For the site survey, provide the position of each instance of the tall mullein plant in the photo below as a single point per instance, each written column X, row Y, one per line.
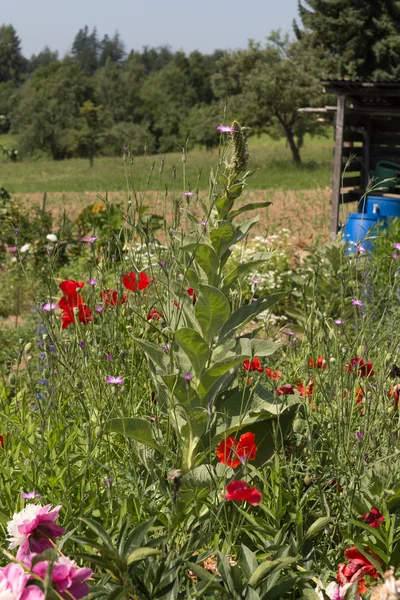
column 199, row 384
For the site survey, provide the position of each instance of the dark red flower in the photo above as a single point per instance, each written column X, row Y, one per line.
column 394, row 392
column 254, row 365
column 273, row 374
column 2, row 441
column 240, row 491
column 357, row 568
column 110, row 298
column 70, row 287
column 136, row 281
column 191, row 293
column 306, row 391
column 232, row 452
column 359, row 395
column 154, row 315
column 358, row 364
column 373, row 518
column 72, row 307
column 318, row 363
column 285, row 390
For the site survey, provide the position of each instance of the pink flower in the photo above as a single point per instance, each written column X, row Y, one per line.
column 33, row 529
column 13, row 580
column 225, row 129
column 30, row 495
column 118, row 379
column 90, row 240
column 187, row 194
column 49, row 306
column 396, row 246
column 357, row 303
column 66, row 577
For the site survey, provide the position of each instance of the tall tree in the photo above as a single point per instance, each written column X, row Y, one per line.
column 268, row 85
column 49, row 109
column 12, row 63
column 43, row 59
column 358, row 39
column 85, row 49
column 111, row 49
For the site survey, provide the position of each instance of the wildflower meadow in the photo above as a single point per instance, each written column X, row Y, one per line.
column 191, row 410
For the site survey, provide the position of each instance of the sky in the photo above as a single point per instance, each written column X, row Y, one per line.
column 187, row 25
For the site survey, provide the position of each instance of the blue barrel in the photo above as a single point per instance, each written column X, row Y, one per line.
column 382, row 207
column 360, row 226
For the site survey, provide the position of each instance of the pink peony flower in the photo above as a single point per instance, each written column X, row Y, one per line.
column 33, row 529
column 13, row 580
column 66, row 577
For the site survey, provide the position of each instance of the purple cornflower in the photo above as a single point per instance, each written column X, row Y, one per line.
column 225, row 129
column 360, row 435
column 39, row 396
column 161, row 263
column 99, row 309
column 16, row 230
column 396, row 246
column 338, row 321
column 108, row 481
column 289, row 332
column 30, row 495
column 125, row 149
column 43, row 381
column 81, row 344
column 49, row 306
column 187, row 194
column 203, row 223
column 395, row 256
column 166, row 347
column 116, row 380
column 188, row 377
column 93, row 281
column 109, row 356
column 360, row 249
column 42, row 355
column 51, row 348
column 90, row 240
column 357, row 303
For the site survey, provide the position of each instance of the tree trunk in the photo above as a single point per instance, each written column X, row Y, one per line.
column 292, row 145
column 91, row 159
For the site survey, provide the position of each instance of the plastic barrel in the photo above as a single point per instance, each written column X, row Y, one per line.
column 360, row 226
column 386, row 169
column 384, row 207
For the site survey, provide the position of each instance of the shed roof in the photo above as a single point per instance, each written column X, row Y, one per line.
column 362, row 88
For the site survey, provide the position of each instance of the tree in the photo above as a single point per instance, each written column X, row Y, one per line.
column 43, row 59
column 12, row 63
column 111, row 49
column 269, row 84
column 357, row 39
column 85, row 49
column 48, row 111
column 87, row 140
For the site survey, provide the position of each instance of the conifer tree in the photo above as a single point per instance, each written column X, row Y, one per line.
column 12, row 63
column 358, row 39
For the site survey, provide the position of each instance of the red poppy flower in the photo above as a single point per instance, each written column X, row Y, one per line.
column 241, row 492
column 364, row 369
column 394, row 392
column 234, row 452
column 285, row 390
column 317, row 363
column 356, row 569
column 359, row 395
column 191, row 293
column 2, row 441
column 306, row 391
column 254, row 365
column 70, row 287
column 273, row 374
column 135, row 281
column 110, row 297
column 373, row 518
column 72, row 307
column 154, row 315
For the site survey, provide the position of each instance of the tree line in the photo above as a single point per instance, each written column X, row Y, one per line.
column 100, row 97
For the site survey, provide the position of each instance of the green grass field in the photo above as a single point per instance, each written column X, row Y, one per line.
column 272, row 159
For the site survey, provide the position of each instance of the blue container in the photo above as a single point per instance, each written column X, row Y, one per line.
column 360, row 230
column 382, row 207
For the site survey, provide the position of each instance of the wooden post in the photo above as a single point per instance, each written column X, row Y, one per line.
column 44, row 201
column 337, row 165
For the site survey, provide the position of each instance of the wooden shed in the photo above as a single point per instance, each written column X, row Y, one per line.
column 367, row 131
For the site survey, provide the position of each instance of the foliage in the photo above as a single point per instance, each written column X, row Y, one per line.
column 356, row 40
column 12, row 62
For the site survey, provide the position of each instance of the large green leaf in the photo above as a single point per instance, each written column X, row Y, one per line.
column 194, row 347
column 244, row 314
column 223, row 206
column 206, row 257
column 217, row 370
column 257, row 347
column 247, row 561
column 222, row 237
column 141, row 554
column 244, row 268
column 154, row 353
column 212, row 311
column 134, row 428
column 247, row 207
column 185, row 393
column 269, row 566
column 243, row 228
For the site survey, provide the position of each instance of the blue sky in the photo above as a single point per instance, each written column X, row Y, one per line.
column 183, row 24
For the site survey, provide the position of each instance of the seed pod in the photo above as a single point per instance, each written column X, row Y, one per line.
column 298, row 425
